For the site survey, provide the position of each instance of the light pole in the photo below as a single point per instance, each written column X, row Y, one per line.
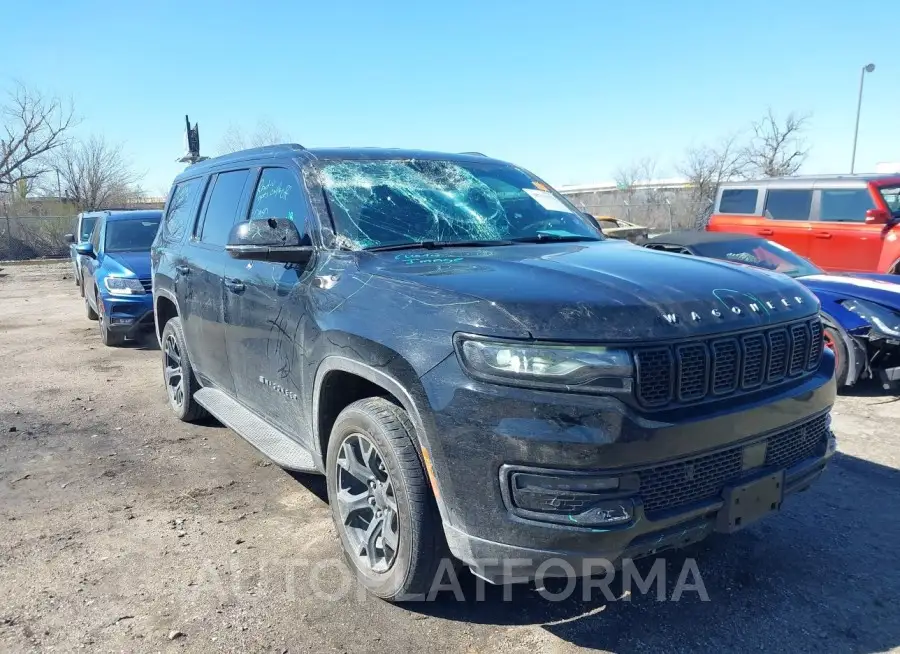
column 868, row 68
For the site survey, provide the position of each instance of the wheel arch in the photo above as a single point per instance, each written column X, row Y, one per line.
column 855, row 364
column 324, row 413
column 165, row 307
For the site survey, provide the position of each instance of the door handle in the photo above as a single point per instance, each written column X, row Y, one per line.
column 234, row 285
column 765, row 232
column 823, row 235
column 184, row 270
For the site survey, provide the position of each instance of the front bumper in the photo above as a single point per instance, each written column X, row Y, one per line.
column 128, row 315
column 481, row 432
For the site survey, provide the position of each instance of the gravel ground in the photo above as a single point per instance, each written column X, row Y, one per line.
column 124, row 530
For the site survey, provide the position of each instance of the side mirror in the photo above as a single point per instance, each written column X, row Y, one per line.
column 269, row 239
column 69, row 238
column 877, row 216
column 85, row 249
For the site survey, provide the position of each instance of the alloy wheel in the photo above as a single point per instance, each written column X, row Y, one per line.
column 367, row 504
column 173, row 371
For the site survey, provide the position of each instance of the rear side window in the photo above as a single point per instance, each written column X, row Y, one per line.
column 738, row 200
column 788, row 204
column 221, row 210
column 181, row 209
column 845, row 205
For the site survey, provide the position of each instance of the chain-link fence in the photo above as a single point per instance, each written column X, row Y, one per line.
column 34, row 237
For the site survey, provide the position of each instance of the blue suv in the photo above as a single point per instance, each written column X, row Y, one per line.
column 115, row 273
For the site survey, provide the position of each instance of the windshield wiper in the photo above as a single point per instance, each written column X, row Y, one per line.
column 554, row 238
column 437, row 245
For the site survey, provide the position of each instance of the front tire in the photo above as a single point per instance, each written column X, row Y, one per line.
column 834, row 341
column 109, row 337
column 381, row 501
column 88, row 309
column 181, row 384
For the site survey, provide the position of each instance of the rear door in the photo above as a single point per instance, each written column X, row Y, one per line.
column 841, row 238
column 205, row 259
column 787, row 212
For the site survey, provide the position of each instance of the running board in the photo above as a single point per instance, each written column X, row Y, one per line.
column 278, row 446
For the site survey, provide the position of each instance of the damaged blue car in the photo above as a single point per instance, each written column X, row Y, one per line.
column 860, row 311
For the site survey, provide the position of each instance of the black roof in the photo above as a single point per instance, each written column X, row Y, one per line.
column 689, row 237
column 296, row 151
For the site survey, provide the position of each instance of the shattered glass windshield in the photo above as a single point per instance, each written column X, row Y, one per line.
column 392, row 202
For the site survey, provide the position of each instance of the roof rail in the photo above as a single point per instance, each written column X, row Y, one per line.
column 477, row 154
column 263, row 151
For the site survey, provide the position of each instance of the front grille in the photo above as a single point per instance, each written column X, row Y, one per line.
column 147, row 284
column 674, row 485
column 718, row 367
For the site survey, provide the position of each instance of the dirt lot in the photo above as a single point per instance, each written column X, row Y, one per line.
column 125, row 530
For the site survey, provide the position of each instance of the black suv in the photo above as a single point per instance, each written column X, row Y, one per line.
column 475, row 368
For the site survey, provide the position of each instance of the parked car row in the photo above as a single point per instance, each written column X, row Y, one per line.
column 479, row 372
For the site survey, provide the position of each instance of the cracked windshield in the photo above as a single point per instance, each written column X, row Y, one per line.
column 385, row 203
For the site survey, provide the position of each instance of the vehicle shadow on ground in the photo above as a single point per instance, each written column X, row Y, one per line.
column 145, row 342
column 315, row 484
column 821, row 575
column 872, row 388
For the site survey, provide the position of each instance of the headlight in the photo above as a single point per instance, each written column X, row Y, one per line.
column 559, row 367
column 123, row 286
column 882, row 318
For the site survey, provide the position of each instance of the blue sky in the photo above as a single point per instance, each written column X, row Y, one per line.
column 570, row 90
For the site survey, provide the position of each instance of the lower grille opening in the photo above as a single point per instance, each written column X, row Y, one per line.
column 674, row 485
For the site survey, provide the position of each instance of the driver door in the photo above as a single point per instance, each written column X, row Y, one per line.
column 265, row 314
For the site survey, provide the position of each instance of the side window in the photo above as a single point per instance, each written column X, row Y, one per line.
column 845, row 205
column 181, row 209
column 788, row 204
column 278, row 195
column 738, row 200
column 221, row 210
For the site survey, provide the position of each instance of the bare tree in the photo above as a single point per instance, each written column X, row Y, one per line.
column 777, row 149
column 96, row 174
column 708, row 166
column 266, row 133
column 627, row 177
column 32, row 125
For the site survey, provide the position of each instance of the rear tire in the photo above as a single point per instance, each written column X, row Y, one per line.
column 372, row 458
column 834, row 340
column 181, row 384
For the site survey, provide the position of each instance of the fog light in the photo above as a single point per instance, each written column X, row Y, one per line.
column 582, row 500
column 120, row 321
column 832, row 445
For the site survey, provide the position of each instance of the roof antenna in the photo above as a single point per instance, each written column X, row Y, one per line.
column 192, row 143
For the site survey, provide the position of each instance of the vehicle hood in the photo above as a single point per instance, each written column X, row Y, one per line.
column 881, row 289
column 606, row 291
column 128, row 263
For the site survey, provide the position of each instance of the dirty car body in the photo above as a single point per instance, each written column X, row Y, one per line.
column 570, row 395
column 861, row 309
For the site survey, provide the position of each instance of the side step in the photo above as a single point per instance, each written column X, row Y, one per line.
column 278, row 446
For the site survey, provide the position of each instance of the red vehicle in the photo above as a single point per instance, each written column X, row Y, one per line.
column 842, row 223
